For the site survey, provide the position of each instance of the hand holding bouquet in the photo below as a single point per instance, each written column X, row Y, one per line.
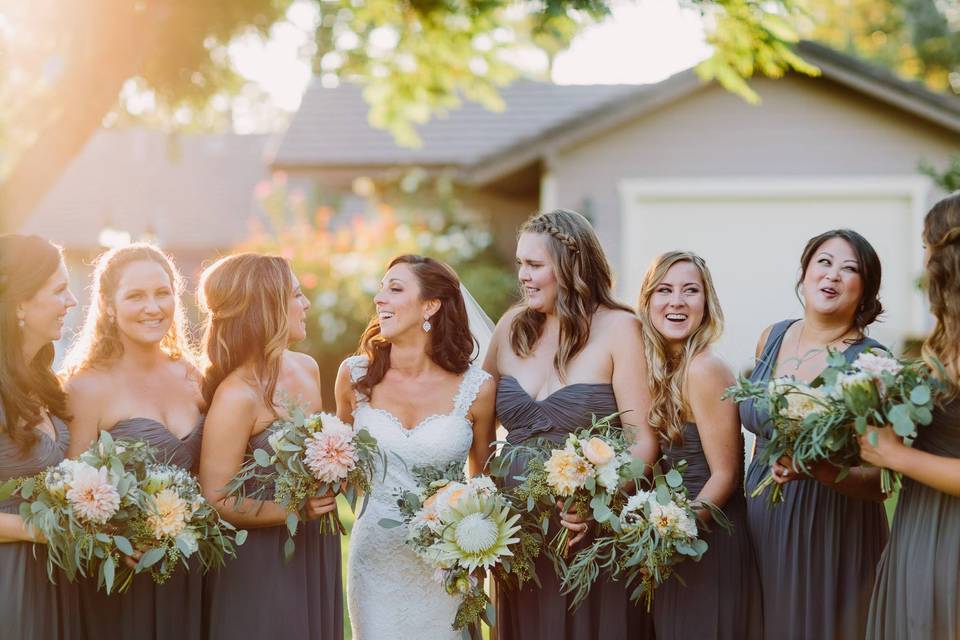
column 313, row 455
column 584, row 474
column 653, row 532
column 463, row 528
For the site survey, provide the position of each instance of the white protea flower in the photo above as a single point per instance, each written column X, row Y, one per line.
column 479, row 532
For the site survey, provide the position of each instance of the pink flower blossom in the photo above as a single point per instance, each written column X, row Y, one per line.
column 330, row 454
column 93, row 497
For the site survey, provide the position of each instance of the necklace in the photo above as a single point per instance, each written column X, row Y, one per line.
column 810, row 353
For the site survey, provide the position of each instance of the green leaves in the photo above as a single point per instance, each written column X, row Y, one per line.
column 899, row 417
column 262, row 458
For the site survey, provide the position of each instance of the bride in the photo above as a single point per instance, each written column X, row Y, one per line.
column 415, row 390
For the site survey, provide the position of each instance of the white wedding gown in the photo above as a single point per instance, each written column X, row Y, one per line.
column 391, row 592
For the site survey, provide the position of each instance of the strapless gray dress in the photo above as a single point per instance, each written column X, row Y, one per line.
column 31, row 607
column 721, row 598
column 818, row 550
column 917, row 594
column 534, row 613
column 169, row 611
column 259, row 595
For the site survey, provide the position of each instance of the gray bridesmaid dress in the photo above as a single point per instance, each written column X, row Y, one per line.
column 534, row 613
column 32, row 607
column 721, row 598
column 148, row 611
column 817, row 551
column 260, row 595
column 917, row 594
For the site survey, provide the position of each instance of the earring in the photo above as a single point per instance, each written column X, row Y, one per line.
column 21, row 322
column 426, row 326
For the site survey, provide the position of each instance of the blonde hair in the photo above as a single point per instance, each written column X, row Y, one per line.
column 941, row 234
column 98, row 343
column 667, row 371
column 584, row 283
column 245, row 298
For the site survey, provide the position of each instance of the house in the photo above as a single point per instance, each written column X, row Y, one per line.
column 682, row 164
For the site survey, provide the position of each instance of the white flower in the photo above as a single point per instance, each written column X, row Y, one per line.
column 169, row 515
column 877, row 364
column 482, row 485
column 670, row 518
column 608, row 476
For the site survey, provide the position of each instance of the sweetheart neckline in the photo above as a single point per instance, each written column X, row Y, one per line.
column 563, row 388
column 162, row 426
column 409, row 430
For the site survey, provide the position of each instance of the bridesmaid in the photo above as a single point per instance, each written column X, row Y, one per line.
column 567, row 351
column 255, row 311
column 681, row 319
column 817, row 551
column 34, row 299
column 130, row 372
column 917, row 594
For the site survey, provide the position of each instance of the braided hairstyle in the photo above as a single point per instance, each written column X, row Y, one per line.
column 584, row 283
column 941, row 235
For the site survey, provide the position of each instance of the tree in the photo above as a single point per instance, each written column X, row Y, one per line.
column 917, row 39
column 68, row 61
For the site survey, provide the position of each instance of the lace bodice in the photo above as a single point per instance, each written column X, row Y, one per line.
column 391, row 591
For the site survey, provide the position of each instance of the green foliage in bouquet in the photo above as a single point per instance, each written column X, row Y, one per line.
column 654, row 531
column 312, row 455
column 586, row 473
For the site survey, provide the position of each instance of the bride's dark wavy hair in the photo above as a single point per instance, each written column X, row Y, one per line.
column 451, row 345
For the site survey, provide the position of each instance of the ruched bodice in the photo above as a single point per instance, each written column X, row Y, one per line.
column 183, row 452
column 691, row 449
column 46, row 452
column 562, row 412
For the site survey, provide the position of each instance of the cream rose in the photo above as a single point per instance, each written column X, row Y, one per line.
column 597, row 451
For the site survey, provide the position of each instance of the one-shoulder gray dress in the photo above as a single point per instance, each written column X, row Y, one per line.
column 721, row 598
column 148, row 611
column 31, row 607
column 534, row 613
column 817, row 551
column 259, row 595
column 917, row 594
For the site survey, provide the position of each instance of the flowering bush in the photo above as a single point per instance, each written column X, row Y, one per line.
column 340, row 256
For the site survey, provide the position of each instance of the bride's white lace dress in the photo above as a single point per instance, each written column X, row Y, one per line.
column 391, row 592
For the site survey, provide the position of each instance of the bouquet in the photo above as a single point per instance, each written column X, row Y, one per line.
column 313, row 455
column 99, row 507
column 177, row 523
column 653, row 532
column 585, row 473
column 820, row 421
column 879, row 389
column 461, row 528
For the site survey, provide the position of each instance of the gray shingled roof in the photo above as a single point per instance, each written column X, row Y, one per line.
column 331, row 128
column 191, row 191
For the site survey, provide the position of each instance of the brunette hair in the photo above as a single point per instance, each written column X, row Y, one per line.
column 584, row 283
column 450, row 346
column 667, row 373
column 98, row 342
column 941, row 234
column 245, row 298
column 870, row 273
column 27, row 389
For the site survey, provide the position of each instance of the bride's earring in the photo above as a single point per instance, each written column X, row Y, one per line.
column 426, row 325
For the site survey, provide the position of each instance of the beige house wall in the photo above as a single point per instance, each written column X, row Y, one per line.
column 804, row 127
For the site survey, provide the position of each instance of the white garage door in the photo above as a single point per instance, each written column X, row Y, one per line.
column 751, row 234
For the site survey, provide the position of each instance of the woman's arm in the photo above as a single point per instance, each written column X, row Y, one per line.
column 937, row 472
column 484, row 427
column 718, row 424
column 14, row 529
column 630, row 386
column 226, row 432
column 344, row 394
column 84, row 403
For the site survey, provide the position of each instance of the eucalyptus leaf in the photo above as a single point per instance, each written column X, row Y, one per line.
column 288, row 548
column 241, row 537
column 920, row 394
column 262, row 457
column 674, row 479
column 107, row 570
column 8, row 487
column 293, row 520
column 150, row 557
column 899, row 417
column 388, row 523
column 123, row 545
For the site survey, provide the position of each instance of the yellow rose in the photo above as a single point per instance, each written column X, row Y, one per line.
column 597, row 451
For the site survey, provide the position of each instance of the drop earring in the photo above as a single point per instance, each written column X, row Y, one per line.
column 426, row 325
